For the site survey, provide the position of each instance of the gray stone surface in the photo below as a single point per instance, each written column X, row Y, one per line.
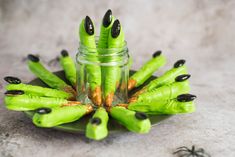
column 202, row 32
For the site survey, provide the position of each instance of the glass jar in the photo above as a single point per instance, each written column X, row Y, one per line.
column 102, row 75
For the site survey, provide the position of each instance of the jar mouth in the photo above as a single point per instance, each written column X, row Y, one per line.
column 103, row 51
column 103, row 56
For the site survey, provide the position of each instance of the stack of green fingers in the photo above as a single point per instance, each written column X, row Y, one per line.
column 170, row 98
column 182, row 104
column 167, row 78
column 50, row 111
column 167, row 94
column 180, row 86
column 111, row 37
column 46, row 76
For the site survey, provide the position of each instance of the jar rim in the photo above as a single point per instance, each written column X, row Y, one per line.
column 103, row 56
column 109, row 51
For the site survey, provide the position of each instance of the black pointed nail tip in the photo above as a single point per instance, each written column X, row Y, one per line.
column 12, row 80
column 141, row 115
column 64, row 53
column 89, row 27
column 179, row 63
column 33, row 58
column 156, row 54
column 182, row 78
column 116, row 29
column 186, row 97
column 107, row 19
column 95, row 121
column 43, row 110
column 14, row 92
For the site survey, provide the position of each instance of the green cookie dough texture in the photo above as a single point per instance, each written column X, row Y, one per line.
column 148, row 69
column 98, row 131
column 165, row 92
column 68, row 65
column 104, row 35
column 46, row 76
column 103, row 45
column 39, row 91
column 59, row 115
column 163, row 107
column 113, row 73
column 167, row 78
column 116, row 42
column 29, row 102
column 128, row 119
column 93, row 71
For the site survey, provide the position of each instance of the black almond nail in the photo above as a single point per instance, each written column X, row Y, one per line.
column 179, row 63
column 89, row 27
column 95, row 121
column 141, row 115
column 186, row 97
column 14, row 92
column 12, row 80
column 107, row 19
column 43, row 110
column 33, row 58
column 116, row 29
column 182, row 78
column 157, row 53
column 64, row 53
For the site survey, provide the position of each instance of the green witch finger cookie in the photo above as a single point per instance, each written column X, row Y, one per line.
column 97, row 129
column 50, row 117
column 15, row 84
column 112, row 74
column 107, row 23
column 167, row 78
column 166, row 92
column 106, row 26
column 46, row 76
column 134, row 121
column 19, row 101
column 68, row 65
column 146, row 70
column 87, row 39
column 182, row 104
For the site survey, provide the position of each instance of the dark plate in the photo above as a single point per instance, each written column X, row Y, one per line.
column 80, row 125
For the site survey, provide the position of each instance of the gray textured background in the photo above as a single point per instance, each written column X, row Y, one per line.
column 202, row 32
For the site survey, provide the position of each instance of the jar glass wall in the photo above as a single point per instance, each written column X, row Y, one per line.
column 102, row 75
